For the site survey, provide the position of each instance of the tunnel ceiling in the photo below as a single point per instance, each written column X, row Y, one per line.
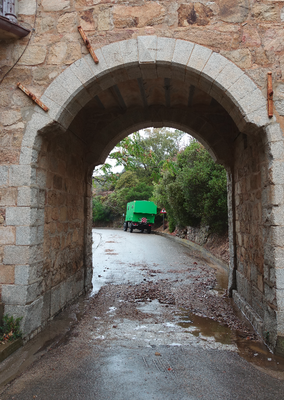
column 130, row 105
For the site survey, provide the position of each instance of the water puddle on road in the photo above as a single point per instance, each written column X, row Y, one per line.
column 253, row 351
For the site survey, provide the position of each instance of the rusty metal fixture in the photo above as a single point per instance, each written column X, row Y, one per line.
column 32, row 96
column 88, row 44
column 270, row 94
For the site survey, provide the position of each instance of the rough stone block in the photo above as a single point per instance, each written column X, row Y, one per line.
column 16, row 255
column 22, row 274
column 277, row 235
column 241, row 87
column 46, row 307
column 182, row 53
column 252, row 102
column 228, row 76
column 14, row 294
column 55, row 109
column 99, row 69
column 28, row 156
column 32, row 318
column 34, row 291
column 277, row 171
column 26, row 235
column 165, row 50
column 129, row 51
column 37, row 122
column 280, row 299
column 7, row 274
column 55, row 302
column 10, row 117
column 276, row 150
column 279, row 272
column 257, row 302
column 244, row 287
column 58, row 93
column 259, row 118
column 274, row 133
column 280, row 323
column 7, row 235
column 55, row 5
column 73, row 86
column 198, row 58
column 27, row 196
column 147, row 49
column 113, row 57
column 18, row 216
column 22, row 175
column 83, row 72
column 3, row 175
column 8, row 196
column 277, row 195
column 215, row 64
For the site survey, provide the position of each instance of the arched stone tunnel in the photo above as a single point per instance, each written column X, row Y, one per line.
column 138, row 83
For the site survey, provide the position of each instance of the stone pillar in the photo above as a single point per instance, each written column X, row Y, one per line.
column 231, row 231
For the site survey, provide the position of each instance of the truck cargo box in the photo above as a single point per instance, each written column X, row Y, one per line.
column 140, row 214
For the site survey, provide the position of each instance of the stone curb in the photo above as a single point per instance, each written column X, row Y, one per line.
column 9, row 348
column 193, row 246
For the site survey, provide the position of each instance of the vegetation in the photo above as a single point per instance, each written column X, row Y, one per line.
column 194, row 192
column 187, row 182
column 141, row 158
column 10, row 329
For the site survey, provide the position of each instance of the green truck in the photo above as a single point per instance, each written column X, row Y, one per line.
column 140, row 214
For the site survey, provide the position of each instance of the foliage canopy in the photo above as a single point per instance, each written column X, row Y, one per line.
column 188, row 183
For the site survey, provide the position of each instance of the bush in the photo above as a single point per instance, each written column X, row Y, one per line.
column 10, row 329
column 101, row 212
column 194, row 190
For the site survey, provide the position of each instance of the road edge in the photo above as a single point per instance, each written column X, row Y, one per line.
column 193, row 246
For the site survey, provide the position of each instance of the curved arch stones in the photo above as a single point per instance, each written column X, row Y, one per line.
column 148, row 57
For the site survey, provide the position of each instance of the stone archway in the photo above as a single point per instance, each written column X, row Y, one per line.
column 148, row 81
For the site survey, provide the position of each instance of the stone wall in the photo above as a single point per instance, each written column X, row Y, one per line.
column 62, row 275
column 45, row 172
column 250, row 181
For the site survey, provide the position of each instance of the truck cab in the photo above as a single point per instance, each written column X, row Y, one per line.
column 140, row 214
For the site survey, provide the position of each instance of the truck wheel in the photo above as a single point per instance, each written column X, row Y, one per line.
column 125, row 226
column 142, row 230
column 149, row 229
column 131, row 228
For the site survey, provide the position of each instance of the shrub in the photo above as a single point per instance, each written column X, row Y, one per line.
column 10, row 329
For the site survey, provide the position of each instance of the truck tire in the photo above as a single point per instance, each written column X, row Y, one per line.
column 131, row 227
column 149, row 229
column 125, row 226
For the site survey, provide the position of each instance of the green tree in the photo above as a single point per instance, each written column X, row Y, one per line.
column 194, row 190
column 142, row 154
column 101, row 211
column 128, row 188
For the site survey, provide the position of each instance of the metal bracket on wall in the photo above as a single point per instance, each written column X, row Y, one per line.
column 269, row 95
column 88, row 44
column 32, row 96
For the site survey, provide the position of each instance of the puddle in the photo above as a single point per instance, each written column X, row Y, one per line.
column 254, row 352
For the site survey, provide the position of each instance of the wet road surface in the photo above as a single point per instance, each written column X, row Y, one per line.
column 138, row 339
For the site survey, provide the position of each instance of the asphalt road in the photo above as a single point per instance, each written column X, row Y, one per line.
column 131, row 348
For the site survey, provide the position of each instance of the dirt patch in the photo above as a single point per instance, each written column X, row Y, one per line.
column 219, row 247
column 198, row 298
